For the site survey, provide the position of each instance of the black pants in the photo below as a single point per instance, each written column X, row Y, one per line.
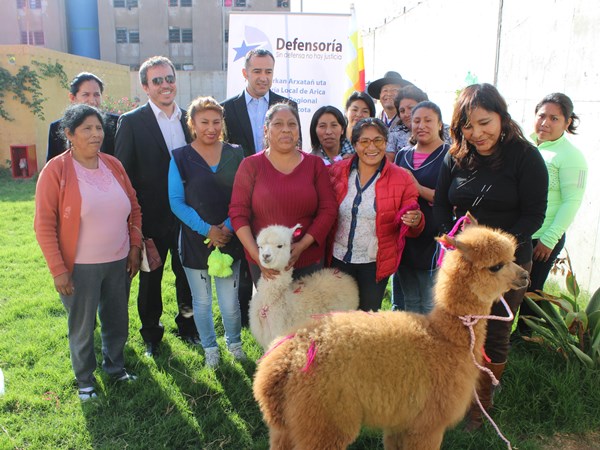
column 150, row 306
column 497, row 342
column 245, row 291
column 539, row 275
column 541, row 269
column 370, row 291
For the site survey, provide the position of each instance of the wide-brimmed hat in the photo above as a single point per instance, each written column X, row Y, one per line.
column 391, row 77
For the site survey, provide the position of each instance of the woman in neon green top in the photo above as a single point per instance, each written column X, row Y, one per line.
column 567, row 171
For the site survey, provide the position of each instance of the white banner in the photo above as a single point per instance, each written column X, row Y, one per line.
column 310, row 50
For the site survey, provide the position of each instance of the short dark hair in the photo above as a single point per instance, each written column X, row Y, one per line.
column 358, row 95
column 566, row 106
column 412, row 92
column 314, row 139
column 153, row 62
column 368, row 122
column 258, row 52
column 81, row 78
column 75, row 115
column 487, row 97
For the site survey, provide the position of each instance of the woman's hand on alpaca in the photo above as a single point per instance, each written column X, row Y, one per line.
column 541, row 252
column 266, row 273
column 297, row 249
column 63, row 284
column 134, row 259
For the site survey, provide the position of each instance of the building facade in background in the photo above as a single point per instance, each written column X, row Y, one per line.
column 192, row 33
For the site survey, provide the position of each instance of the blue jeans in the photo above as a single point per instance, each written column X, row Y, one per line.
column 417, row 286
column 227, row 296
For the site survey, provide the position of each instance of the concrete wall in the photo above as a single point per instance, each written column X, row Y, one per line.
column 545, row 46
column 190, row 84
column 28, row 129
column 553, row 47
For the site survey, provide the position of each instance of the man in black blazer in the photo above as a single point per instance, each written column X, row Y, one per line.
column 244, row 121
column 85, row 88
column 143, row 143
column 242, row 129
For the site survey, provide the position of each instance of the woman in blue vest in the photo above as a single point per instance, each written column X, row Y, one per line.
column 200, row 183
column 423, row 161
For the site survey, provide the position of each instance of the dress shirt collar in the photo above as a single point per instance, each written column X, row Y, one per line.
column 249, row 98
column 158, row 112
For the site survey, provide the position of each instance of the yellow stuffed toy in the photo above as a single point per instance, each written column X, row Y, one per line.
column 219, row 264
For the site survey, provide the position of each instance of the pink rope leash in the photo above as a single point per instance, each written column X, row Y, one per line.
column 470, row 321
column 277, row 344
column 454, row 230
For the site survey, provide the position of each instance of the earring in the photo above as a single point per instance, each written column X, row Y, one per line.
column 502, row 136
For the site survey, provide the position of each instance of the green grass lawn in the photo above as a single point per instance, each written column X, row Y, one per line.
column 178, row 404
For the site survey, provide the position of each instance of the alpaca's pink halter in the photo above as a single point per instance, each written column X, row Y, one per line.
column 458, row 223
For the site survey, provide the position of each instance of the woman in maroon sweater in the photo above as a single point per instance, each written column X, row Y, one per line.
column 283, row 186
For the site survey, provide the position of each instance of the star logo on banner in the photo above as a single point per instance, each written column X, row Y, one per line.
column 240, row 52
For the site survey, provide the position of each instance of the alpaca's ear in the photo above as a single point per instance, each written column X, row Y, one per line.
column 296, row 232
column 447, row 241
column 471, row 220
column 464, row 249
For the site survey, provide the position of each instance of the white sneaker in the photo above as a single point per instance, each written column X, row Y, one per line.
column 87, row 393
column 212, row 357
column 237, row 351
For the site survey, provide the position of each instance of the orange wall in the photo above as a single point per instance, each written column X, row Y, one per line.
column 28, row 129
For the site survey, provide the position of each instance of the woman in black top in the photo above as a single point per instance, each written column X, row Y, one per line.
column 493, row 172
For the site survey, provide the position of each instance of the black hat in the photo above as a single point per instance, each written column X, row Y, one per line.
column 390, row 77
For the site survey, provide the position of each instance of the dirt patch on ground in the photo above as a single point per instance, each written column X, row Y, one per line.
column 589, row 441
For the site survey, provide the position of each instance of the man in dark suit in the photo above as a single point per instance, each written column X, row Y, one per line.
column 244, row 121
column 245, row 113
column 85, row 88
column 143, row 143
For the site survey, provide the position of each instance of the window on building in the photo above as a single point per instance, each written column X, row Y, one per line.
column 186, row 35
column 240, row 3
column 119, row 3
column 35, row 38
column 283, row 3
column 20, row 4
column 172, row 2
column 174, row 35
column 134, row 36
column 185, row 3
column 38, row 37
column 226, row 36
column 121, row 35
column 132, row 3
column 35, row 4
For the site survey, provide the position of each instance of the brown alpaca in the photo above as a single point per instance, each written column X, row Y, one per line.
column 411, row 375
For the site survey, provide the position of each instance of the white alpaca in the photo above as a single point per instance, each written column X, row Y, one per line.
column 281, row 305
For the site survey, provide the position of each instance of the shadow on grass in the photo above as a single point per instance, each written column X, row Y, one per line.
column 170, row 405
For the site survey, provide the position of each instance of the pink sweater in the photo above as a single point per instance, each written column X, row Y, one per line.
column 263, row 196
column 58, row 210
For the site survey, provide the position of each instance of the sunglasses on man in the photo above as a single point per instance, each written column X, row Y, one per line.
column 157, row 81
